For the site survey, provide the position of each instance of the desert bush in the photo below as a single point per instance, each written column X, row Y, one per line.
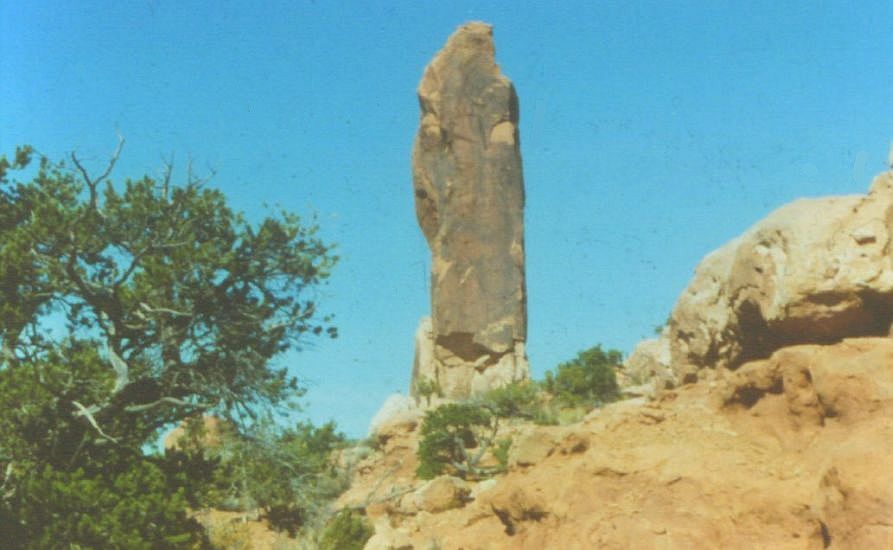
column 587, row 380
column 125, row 506
column 457, row 438
column 454, row 438
column 288, row 474
column 501, row 453
column 516, row 400
column 428, row 388
column 347, row 530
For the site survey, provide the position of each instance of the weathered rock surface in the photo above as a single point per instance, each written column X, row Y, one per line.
column 532, row 447
column 441, row 494
column 208, row 436
column 814, row 271
column 398, row 412
column 469, row 195
column 649, row 363
column 794, row 451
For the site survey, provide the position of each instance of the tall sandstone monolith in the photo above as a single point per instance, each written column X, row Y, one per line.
column 469, row 196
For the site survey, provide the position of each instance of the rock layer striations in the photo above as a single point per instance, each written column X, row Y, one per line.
column 469, row 196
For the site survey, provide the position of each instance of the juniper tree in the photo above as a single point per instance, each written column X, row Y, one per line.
column 126, row 308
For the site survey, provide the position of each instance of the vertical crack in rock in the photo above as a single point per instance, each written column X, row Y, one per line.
column 469, row 196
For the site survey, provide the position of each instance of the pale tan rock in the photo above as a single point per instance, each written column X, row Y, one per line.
column 441, row 494
column 386, row 537
column 398, row 413
column 813, row 271
column 469, row 193
column 482, row 487
column 424, row 368
column 533, row 446
column 649, row 363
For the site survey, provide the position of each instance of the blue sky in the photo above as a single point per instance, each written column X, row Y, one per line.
column 651, row 132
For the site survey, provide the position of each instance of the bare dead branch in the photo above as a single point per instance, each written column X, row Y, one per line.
column 166, row 179
column 122, row 371
column 88, row 414
column 149, row 309
column 91, row 183
column 173, row 401
column 194, row 181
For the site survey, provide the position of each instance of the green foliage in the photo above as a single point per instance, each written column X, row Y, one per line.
column 453, row 439
column 125, row 309
column 347, row 530
column 289, row 474
column 589, row 379
column 516, row 400
column 501, row 453
column 427, row 388
column 127, row 506
column 456, row 437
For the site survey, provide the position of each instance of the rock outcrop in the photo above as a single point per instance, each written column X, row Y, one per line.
column 397, row 412
column 786, row 443
column 814, row 271
column 793, row 451
column 649, row 363
column 469, row 196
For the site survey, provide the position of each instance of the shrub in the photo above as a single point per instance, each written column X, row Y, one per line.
column 126, row 508
column 589, row 379
column 501, row 453
column 347, row 530
column 427, row 388
column 454, row 438
column 287, row 473
column 516, row 400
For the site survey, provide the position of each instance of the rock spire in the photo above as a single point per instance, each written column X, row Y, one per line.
column 469, row 197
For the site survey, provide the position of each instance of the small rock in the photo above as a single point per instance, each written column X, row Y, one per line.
column 441, row 494
column 399, row 413
column 532, row 447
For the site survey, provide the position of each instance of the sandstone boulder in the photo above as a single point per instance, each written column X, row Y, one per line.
column 813, row 271
column 469, row 196
column 649, row 363
column 441, row 494
column 386, row 537
column 398, row 413
column 533, row 446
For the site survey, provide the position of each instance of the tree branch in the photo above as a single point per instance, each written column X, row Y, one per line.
column 88, row 414
column 91, row 183
column 122, row 371
column 170, row 401
column 166, row 181
column 149, row 309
